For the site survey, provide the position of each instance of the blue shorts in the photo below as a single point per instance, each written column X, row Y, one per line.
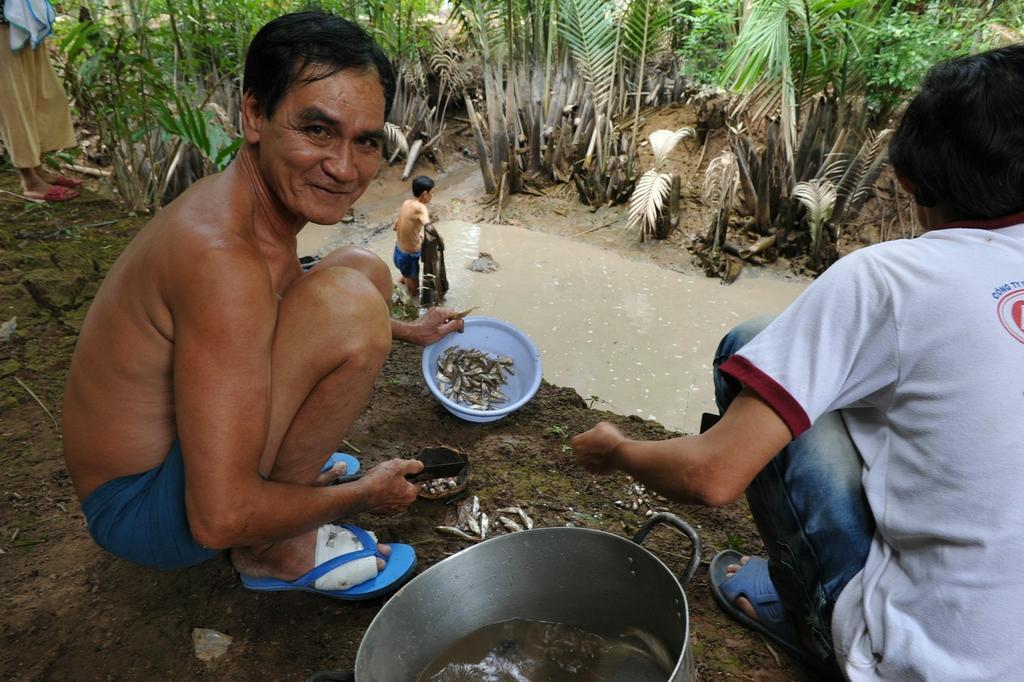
column 407, row 263
column 142, row 517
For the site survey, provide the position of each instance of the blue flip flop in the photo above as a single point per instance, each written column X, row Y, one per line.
column 753, row 582
column 351, row 463
column 398, row 566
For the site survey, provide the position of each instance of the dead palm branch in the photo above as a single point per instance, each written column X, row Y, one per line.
column 647, row 202
column 721, row 187
column 664, row 141
column 818, row 196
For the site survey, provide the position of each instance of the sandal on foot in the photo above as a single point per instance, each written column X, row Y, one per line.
column 64, row 181
column 346, row 566
column 55, row 193
column 753, row 582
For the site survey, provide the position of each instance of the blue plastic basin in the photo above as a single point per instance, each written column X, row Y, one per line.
column 496, row 338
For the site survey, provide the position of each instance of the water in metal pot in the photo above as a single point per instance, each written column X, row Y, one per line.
column 521, row 650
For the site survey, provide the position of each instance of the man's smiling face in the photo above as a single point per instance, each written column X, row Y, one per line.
column 322, row 146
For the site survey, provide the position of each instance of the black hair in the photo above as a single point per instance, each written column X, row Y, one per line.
column 421, row 184
column 961, row 140
column 309, row 46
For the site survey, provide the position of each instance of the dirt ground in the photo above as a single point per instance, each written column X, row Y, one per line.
column 73, row 611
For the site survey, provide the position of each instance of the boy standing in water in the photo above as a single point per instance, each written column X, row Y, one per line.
column 413, row 217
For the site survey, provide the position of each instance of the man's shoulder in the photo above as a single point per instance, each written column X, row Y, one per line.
column 200, row 245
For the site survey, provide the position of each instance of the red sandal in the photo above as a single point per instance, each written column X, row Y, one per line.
column 64, row 181
column 55, row 193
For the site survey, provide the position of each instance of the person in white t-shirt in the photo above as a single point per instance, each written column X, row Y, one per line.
column 877, row 425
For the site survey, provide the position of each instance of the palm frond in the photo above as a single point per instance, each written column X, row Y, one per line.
column 818, row 196
column 834, row 167
column 590, row 34
column 450, row 67
column 396, row 138
column 664, row 141
column 860, row 173
column 874, row 153
column 644, row 26
column 762, row 48
column 485, row 21
column 648, row 200
column 721, row 180
column 415, row 76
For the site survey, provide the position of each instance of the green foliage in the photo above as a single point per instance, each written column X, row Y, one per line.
column 645, row 26
column 196, row 126
column 398, row 26
column 116, row 86
column 709, row 29
column 152, row 76
column 587, row 27
column 907, row 40
column 559, row 430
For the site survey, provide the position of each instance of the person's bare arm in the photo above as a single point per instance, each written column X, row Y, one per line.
column 713, row 468
column 224, row 318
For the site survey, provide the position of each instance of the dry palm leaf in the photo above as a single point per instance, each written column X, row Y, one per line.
column 647, row 201
column 819, row 198
column 721, row 180
column 396, row 138
column 448, row 63
column 664, row 141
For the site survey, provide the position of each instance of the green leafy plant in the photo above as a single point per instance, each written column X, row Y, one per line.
column 197, row 127
column 559, row 430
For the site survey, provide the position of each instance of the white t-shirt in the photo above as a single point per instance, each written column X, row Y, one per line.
column 920, row 345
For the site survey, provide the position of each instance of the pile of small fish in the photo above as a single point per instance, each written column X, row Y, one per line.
column 440, row 486
column 474, row 524
column 471, row 377
column 639, row 497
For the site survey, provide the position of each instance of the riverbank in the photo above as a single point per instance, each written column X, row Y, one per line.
column 75, row 612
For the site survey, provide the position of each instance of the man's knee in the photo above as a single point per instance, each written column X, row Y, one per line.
column 362, row 261
column 726, row 387
column 350, row 309
column 739, row 336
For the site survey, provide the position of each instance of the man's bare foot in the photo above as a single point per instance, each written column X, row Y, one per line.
column 287, row 559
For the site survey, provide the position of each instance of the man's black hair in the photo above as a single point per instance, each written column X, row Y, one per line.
column 961, row 140
column 306, row 47
column 421, row 184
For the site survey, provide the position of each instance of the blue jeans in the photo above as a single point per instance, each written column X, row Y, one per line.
column 809, row 507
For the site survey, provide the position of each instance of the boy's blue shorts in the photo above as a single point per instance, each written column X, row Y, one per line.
column 407, row 263
column 142, row 517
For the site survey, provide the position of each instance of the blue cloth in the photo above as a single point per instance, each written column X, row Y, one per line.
column 809, row 506
column 407, row 263
column 142, row 517
column 31, row 21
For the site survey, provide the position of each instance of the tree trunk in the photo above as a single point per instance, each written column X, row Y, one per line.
column 410, row 163
column 481, row 148
column 669, row 219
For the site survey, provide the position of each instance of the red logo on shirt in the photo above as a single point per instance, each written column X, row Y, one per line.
column 1011, row 313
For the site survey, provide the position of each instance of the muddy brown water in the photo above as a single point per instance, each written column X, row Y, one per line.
column 629, row 336
column 534, row 651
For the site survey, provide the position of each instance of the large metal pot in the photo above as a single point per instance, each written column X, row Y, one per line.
column 591, row 579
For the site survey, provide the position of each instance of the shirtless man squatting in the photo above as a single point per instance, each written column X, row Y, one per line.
column 413, row 218
column 213, row 378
